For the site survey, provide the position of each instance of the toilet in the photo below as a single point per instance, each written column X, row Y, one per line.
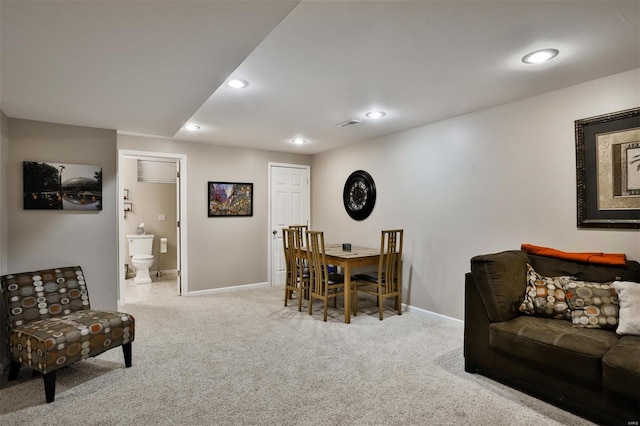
column 140, row 249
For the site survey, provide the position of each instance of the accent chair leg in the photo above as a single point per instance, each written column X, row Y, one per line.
column 126, row 350
column 50, row 385
column 14, row 368
column 326, row 308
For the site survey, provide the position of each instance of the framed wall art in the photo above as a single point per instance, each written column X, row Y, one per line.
column 608, row 170
column 61, row 186
column 227, row 199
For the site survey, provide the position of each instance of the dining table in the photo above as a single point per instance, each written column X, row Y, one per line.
column 356, row 257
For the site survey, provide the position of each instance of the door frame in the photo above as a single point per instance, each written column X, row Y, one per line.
column 181, row 213
column 269, row 234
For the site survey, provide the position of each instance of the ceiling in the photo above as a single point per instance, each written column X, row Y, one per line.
column 148, row 67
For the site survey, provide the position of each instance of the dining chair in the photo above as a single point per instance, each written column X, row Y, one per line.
column 386, row 282
column 323, row 286
column 301, row 229
column 297, row 276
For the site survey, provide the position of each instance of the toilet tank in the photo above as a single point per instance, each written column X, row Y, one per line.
column 140, row 244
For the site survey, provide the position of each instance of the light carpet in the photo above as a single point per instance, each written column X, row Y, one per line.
column 242, row 358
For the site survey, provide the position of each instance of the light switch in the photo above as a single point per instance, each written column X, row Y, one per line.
column 162, row 217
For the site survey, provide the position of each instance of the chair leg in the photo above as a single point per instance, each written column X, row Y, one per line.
column 126, row 350
column 355, row 298
column 380, row 303
column 326, row 308
column 310, row 304
column 14, row 368
column 286, row 294
column 300, row 296
column 50, row 385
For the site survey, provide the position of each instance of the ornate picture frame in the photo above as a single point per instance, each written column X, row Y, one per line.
column 608, row 170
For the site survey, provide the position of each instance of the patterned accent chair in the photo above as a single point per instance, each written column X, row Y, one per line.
column 51, row 326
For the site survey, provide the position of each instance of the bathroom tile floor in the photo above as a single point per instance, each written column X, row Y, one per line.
column 163, row 287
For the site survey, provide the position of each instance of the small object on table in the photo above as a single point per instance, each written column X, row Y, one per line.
column 346, row 246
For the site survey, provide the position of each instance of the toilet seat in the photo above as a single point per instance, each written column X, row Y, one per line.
column 142, row 257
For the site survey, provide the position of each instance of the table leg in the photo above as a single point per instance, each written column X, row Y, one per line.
column 347, row 293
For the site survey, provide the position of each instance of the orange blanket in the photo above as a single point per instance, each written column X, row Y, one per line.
column 610, row 259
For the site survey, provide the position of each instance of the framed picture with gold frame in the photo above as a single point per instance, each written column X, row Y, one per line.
column 608, row 170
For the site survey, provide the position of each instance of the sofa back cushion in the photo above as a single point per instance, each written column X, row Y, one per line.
column 39, row 295
column 501, row 279
column 552, row 267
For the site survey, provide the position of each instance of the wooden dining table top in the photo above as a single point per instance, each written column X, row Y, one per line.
column 335, row 250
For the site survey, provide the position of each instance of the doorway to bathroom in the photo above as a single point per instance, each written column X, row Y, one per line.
column 152, row 188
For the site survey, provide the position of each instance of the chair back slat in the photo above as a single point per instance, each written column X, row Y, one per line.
column 288, row 235
column 40, row 295
column 390, row 266
column 318, row 270
column 301, row 229
column 299, row 258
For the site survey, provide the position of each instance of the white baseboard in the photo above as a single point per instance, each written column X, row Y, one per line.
column 164, row 272
column 429, row 314
column 408, row 308
column 225, row 289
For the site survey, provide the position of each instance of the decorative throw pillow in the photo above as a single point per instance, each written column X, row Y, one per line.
column 593, row 305
column 629, row 295
column 544, row 296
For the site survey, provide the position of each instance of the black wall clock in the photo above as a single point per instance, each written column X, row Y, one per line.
column 359, row 195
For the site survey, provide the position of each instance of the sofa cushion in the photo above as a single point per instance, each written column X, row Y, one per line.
column 593, row 305
column 576, row 352
column 57, row 342
column 544, row 296
column 552, row 267
column 501, row 280
column 44, row 294
column 629, row 297
column 621, row 367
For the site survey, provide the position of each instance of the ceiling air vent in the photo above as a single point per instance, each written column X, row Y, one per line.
column 349, row 123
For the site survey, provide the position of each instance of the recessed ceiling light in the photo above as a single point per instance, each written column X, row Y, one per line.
column 191, row 127
column 298, row 141
column 540, row 56
column 376, row 114
column 238, row 84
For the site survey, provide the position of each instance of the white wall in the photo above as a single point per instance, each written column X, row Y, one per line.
column 227, row 251
column 475, row 184
column 42, row 239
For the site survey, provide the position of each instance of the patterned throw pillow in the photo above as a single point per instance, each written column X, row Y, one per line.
column 593, row 305
column 544, row 296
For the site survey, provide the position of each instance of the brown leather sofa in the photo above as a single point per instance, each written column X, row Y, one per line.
column 594, row 373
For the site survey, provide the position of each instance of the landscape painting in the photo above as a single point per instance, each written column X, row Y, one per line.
column 61, row 186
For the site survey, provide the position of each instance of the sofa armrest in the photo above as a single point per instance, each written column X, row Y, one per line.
column 476, row 328
column 501, row 279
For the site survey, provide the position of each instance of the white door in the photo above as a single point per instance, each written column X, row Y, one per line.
column 290, row 204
